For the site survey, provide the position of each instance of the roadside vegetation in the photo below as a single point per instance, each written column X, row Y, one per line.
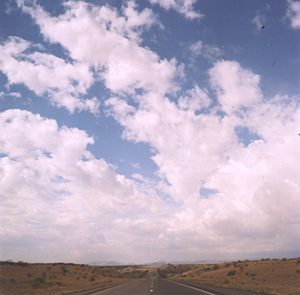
column 60, row 278
column 276, row 276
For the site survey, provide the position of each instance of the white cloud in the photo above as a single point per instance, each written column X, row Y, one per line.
column 247, row 181
column 236, row 87
column 179, row 136
column 209, row 52
column 184, row 7
column 46, row 74
column 260, row 18
column 293, row 13
column 13, row 94
column 136, row 19
column 113, row 49
column 55, row 193
column 195, row 99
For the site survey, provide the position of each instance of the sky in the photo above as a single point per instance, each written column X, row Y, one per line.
column 138, row 131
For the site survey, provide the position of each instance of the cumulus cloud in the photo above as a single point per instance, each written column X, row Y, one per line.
column 114, row 51
column 54, row 191
column 293, row 13
column 46, row 74
column 195, row 99
column 195, row 151
column 212, row 192
column 184, row 7
column 236, row 87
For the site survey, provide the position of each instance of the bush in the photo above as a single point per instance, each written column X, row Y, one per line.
column 40, row 280
column 37, row 282
column 231, row 273
column 10, row 262
column 13, row 281
column 21, row 263
column 216, row 266
column 92, row 279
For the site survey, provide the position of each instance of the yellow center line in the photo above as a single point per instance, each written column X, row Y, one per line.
column 113, row 288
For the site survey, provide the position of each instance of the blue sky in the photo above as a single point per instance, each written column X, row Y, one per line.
column 145, row 130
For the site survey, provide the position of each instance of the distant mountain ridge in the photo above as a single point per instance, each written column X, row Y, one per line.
column 104, row 263
column 155, row 263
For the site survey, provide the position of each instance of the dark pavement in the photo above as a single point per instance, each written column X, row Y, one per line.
column 154, row 286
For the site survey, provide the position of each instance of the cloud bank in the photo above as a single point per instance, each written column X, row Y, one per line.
column 227, row 182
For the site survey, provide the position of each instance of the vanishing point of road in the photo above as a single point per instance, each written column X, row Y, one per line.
column 154, row 286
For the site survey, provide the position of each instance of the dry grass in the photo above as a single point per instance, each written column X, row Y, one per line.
column 59, row 278
column 264, row 276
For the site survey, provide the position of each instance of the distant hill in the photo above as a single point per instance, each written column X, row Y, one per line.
column 104, row 263
column 157, row 263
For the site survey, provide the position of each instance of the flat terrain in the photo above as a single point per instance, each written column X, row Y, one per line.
column 58, row 278
column 264, row 276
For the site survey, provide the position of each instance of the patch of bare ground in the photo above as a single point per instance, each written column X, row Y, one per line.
column 22, row 278
column 263, row 276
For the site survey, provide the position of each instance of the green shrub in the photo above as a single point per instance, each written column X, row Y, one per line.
column 92, row 279
column 13, row 281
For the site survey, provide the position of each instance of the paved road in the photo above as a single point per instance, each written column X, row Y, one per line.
column 154, row 286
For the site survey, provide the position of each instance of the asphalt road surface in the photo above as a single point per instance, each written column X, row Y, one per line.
column 154, row 286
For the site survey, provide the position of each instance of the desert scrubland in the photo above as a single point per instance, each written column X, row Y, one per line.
column 22, row 278
column 277, row 276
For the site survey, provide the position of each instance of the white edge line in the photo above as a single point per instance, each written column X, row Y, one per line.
column 192, row 288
